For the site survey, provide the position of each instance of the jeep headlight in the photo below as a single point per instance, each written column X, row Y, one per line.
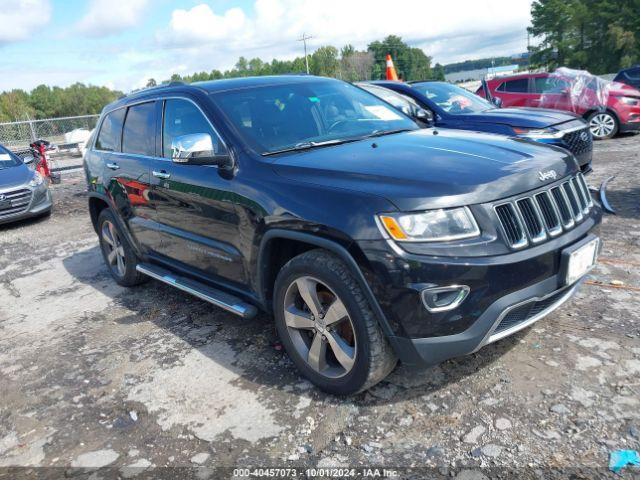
column 37, row 180
column 431, row 226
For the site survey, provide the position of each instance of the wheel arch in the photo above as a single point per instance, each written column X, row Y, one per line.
column 97, row 203
column 590, row 112
column 278, row 246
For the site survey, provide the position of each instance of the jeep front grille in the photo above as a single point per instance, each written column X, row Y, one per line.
column 546, row 213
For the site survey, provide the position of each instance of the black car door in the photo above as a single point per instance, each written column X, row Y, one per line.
column 196, row 206
column 125, row 145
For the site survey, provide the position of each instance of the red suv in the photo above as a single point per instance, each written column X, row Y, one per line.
column 619, row 111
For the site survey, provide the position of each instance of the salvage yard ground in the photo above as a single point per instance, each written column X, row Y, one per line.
column 92, row 374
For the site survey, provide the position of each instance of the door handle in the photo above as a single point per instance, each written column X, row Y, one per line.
column 161, row 174
column 113, row 166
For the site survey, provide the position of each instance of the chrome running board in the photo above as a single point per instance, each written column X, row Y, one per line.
column 212, row 295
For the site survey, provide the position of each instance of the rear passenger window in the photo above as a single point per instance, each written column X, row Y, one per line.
column 138, row 136
column 549, row 85
column 111, row 131
column 515, row 86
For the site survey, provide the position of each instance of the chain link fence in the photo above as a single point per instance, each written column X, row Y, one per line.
column 67, row 133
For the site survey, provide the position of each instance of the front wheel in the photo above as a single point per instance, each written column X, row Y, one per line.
column 327, row 326
column 603, row 125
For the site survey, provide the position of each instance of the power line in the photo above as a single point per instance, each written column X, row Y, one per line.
column 304, row 39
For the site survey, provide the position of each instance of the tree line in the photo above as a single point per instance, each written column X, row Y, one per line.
column 347, row 64
column 53, row 102
column 601, row 36
column 483, row 63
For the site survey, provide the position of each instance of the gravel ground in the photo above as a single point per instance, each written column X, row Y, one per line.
column 94, row 375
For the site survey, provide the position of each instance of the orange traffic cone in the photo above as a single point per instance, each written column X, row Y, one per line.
column 391, row 70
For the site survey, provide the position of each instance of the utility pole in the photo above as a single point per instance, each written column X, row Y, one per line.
column 304, row 39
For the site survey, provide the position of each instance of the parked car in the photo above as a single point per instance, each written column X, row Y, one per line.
column 629, row 76
column 620, row 114
column 368, row 238
column 24, row 193
column 450, row 106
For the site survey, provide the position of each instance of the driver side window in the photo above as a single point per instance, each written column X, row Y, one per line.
column 182, row 117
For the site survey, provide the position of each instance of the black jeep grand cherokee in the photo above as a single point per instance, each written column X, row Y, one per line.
column 369, row 239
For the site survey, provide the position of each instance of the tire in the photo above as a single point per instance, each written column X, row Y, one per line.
column 343, row 352
column 603, row 125
column 122, row 263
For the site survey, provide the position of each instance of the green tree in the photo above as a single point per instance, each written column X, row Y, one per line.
column 596, row 35
column 15, row 106
column 151, row 83
column 324, row 62
column 411, row 63
column 438, row 72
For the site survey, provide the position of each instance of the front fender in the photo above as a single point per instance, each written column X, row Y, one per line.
column 328, row 244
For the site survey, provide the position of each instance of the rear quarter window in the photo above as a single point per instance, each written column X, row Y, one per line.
column 111, row 131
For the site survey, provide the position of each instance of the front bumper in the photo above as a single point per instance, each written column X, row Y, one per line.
column 39, row 203
column 507, row 293
column 539, row 299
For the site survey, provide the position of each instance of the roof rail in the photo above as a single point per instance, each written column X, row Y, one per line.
column 162, row 85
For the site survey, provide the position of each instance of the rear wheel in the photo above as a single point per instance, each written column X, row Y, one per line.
column 120, row 258
column 603, row 125
column 327, row 325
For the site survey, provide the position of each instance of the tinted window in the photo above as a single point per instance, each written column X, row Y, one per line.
column 550, row 85
column 453, row 99
column 111, row 131
column 277, row 117
column 515, row 86
column 138, row 136
column 182, row 117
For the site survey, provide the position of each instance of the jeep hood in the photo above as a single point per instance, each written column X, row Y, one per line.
column 430, row 168
column 522, row 117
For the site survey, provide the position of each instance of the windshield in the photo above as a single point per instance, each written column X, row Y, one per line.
column 7, row 159
column 453, row 100
column 280, row 117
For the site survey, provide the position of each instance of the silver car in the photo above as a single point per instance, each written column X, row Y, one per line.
column 24, row 192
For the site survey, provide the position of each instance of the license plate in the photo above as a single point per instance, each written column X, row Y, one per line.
column 581, row 261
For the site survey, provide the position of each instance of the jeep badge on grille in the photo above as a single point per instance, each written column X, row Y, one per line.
column 549, row 174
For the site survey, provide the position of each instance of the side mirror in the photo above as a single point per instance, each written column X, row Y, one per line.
column 197, row 149
column 423, row 115
column 497, row 101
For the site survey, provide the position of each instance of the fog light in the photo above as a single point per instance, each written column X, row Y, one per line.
column 443, row 299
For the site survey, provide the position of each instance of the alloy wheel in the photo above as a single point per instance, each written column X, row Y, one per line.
column 114, row 249
column 602, row 125
column 319, row 327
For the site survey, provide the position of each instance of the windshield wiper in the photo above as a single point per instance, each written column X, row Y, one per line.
column 309, row 145
column 380, row 133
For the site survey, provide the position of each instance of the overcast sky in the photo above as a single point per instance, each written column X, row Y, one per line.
column 122, row 43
